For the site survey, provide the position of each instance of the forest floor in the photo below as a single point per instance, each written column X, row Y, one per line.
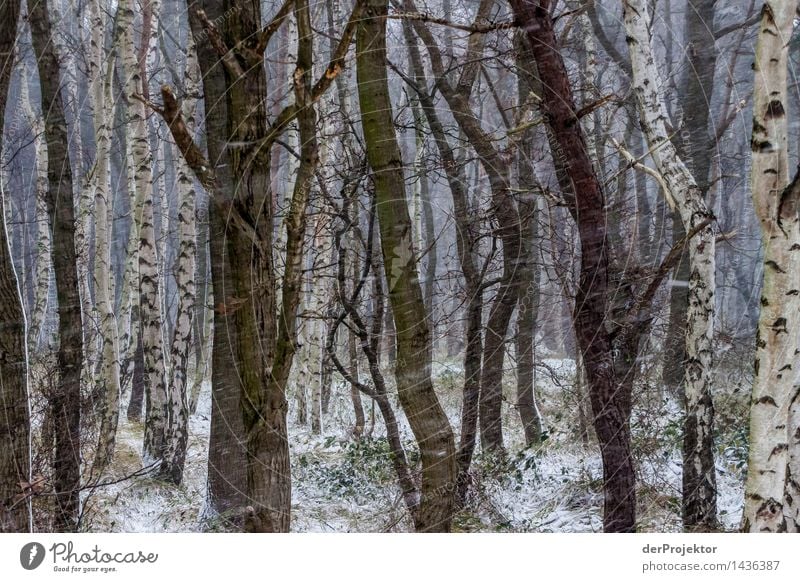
column 343, row 485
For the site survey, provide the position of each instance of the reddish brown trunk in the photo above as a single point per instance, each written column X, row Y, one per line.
column 591, row 302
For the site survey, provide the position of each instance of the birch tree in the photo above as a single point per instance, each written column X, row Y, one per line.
column 101, row 75
column 699, row 472
column 771, row 490
column 150, row 314
column 43, row 244
column 185, row 272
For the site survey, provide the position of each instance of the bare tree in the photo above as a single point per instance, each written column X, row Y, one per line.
column 587, row 206
column 699, row 472
column 413, row 368
column 15, row 418
column 67, row 399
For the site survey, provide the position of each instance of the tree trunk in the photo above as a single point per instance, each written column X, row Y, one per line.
column 60, row 203
column 227, row 486
column 178, row 428
column 699, row 472
column 352, row 339
column 413, row 367
column 109, row 379
column 696, row 105
column 355, row 394
column 265, row 341
column 15, row 454
column 771, row 490
column 137, row 376
column 43, row 243
column 155, row 444
column 530, row 279
column 587, row 207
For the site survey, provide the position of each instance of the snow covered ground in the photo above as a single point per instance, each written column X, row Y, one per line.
column 344, row 486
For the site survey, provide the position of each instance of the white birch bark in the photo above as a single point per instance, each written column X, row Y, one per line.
column 185, row 270
column 101, row 83
column 159, row 144
column 699, row 491
column 43, row 241
column 774, row 445
column 156, row 398
column 85, row 214
column 128, row 325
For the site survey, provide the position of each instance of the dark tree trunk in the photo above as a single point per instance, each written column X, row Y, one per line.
column 675, row 341
column 413, row 367
column 14, row 412
column 592, row 297
column 227, row 485
column 226, row 453
column 472, row 384
column 137, row 381
column 355, row 394
column 466, row 243
column 67, row 397
column 263, row 341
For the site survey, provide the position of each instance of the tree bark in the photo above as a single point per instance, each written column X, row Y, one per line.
column 43, row 242
column 15, row 455
column 530, row 279
column 109, row 378
column 771, row 489
column 413, row 367
column 155, row 444
column 587, row 207
column 699, row 472
column 178, row 426
column 60, row 203
column 265, row 341
column 696, row 105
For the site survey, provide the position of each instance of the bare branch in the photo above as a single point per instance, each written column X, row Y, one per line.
column 271, row 28
column 216, row 40
column 669, row 262
column 171, row 112
column 634, row 162
column 470, row 28
column 725, row 30
column 594, row 105
column 334, row 68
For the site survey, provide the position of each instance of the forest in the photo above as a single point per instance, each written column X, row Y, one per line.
column 400, row 265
